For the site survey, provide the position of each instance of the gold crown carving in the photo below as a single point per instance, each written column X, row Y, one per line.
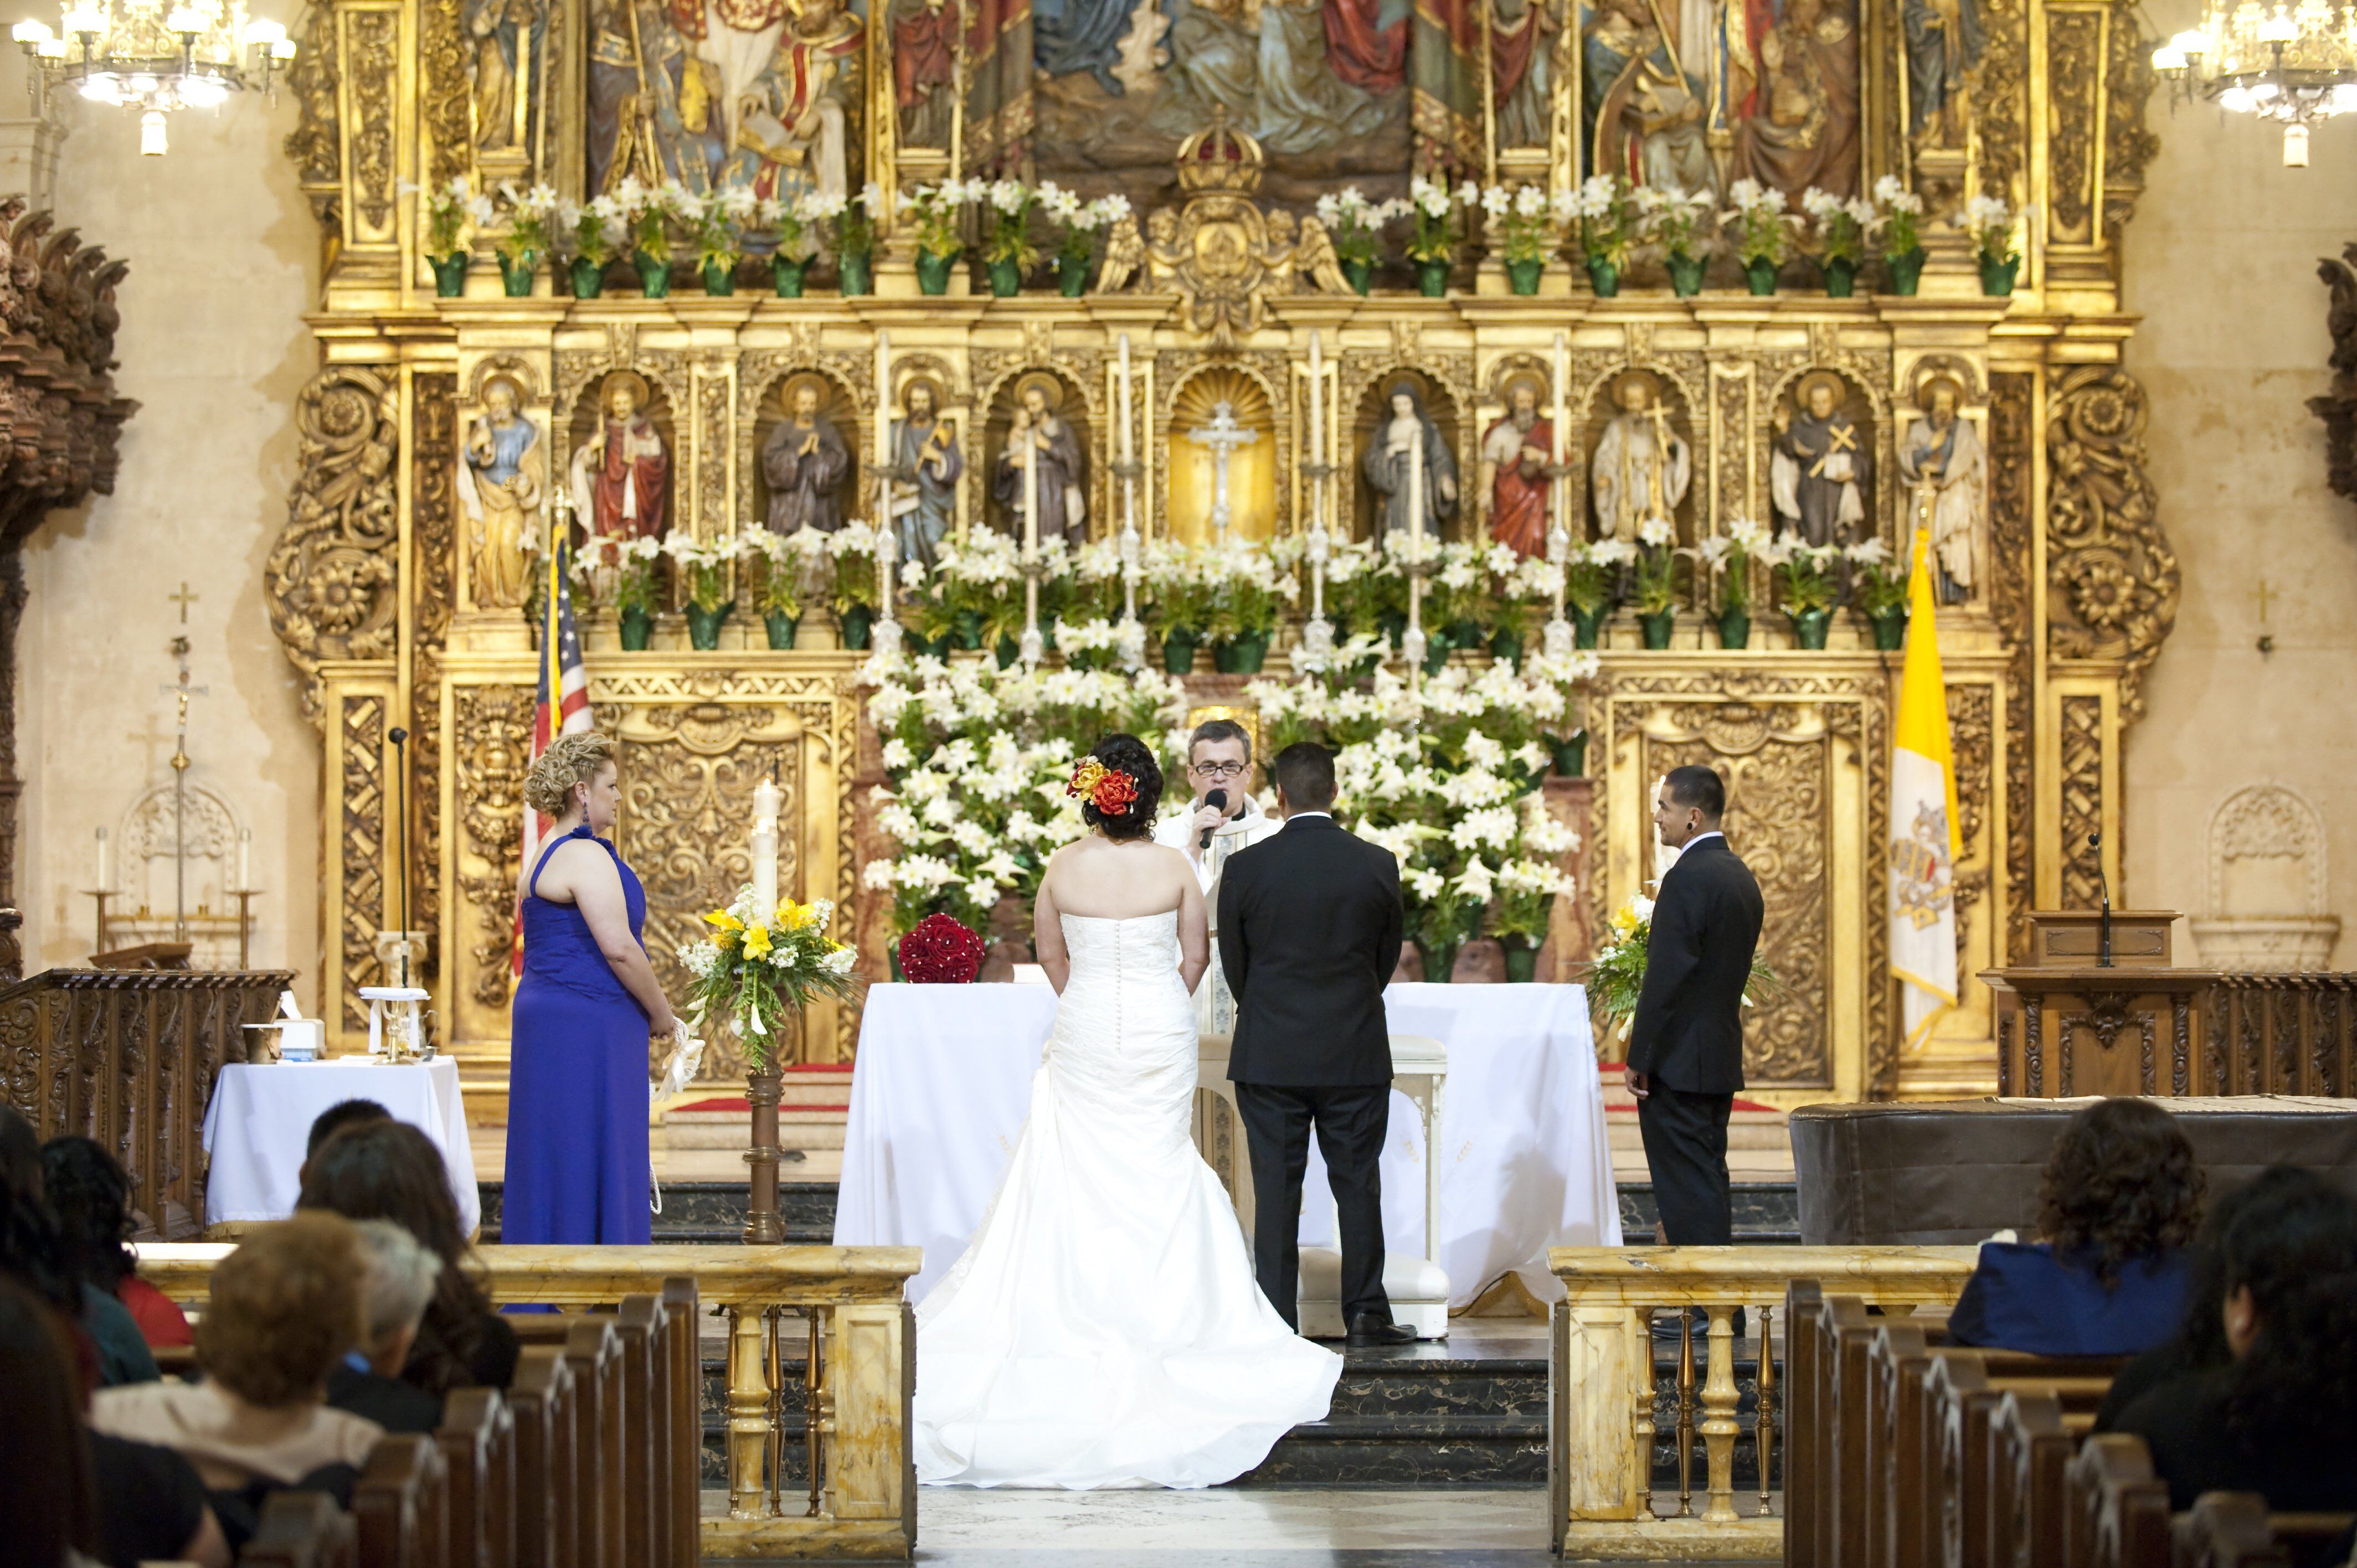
column 1220, row 158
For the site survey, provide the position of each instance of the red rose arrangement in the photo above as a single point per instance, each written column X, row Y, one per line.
column 941, row 951
column 1109, row 789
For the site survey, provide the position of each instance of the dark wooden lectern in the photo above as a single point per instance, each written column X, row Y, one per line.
column 2066, row 1025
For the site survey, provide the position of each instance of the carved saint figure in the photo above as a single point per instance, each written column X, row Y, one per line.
column 1523, row 35
column 924, row 68
column 1819, row 467
column 1803, row 127
column 500, row 488
column 793, row 118
column 1942, row 452
column 503, row 32
column 1517, row 461
column 1040, row 426
column 1390, row 459
column 620, row 475
column 1644, row 109
column 1642, row 467
column 926, row 467
column 805, row 462
column 1945, row 41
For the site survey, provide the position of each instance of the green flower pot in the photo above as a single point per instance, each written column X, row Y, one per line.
column 1241, row 655
column 1394, row 625
column 1588, row 626
column 933, row 272
column 1735, row 629
column 965, row 629
column 1358, row 274
column 1506, row 645
column 636, row 627
column 1439, row 960
column 1432, row 279
column 450, row 274
column 588, row 278
column 1436, row 649
column 1179, row 645
column 1522, row 961
column 781, row 628
column 719, row 279
column 1604, row 278
column 1072, row 276
column 1760, row 274
column 1657, row 626
column 855, row 275
column 703, row 625
column 1570, row 756
column 515, row 273
column 856, row 623
column 1463, row 634
column 1997, row 277
column 1523, row 277
column 789, row 276
column 1007, row 652
column 1906, row 271
column 1006, row 279
column 1686, row 276
column 1809, row 627
column 1841, row 279
column 1889, row 630
column 654, row 276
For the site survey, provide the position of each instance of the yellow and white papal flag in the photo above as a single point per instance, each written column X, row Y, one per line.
column 1925, row 841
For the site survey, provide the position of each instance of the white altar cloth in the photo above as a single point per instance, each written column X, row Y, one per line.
column 943, row 1080
column 261, row 1116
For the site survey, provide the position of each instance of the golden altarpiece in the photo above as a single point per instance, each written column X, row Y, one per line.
column 383, row 597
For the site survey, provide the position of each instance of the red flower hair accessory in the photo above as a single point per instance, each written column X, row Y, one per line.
column 941, row 950
column 1110, row 791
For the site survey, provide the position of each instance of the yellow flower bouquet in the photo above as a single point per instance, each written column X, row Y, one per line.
column 1617, row 978
column 760, row 964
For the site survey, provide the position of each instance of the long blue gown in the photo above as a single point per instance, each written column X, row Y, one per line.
column 577, row 1168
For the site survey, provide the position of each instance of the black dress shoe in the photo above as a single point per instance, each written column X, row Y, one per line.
column 1367, row 1331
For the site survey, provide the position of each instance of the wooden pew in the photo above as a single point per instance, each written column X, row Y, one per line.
column 683, row 1439
column 1805, row 1448
column 301, row 1529
column 596, row 1357
column 478, row 1443
column 545, row 1515
column 2117, row 1512
column 401, row 1505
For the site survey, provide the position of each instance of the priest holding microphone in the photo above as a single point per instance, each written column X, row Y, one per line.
column 1221, row 818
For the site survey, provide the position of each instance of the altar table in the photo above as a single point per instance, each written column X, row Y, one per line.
column 942, row 1083
column 261, row 1116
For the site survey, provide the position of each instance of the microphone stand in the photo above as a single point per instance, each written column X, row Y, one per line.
column 2103, row 925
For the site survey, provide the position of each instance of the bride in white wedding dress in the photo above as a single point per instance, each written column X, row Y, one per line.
column 1104, row 1328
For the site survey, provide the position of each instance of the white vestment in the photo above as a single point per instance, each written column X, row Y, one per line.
column 1215, row 1009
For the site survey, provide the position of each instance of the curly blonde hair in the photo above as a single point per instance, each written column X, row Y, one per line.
column 570, row 759
column 285, row 1307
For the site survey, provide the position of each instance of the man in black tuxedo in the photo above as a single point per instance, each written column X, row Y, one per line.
column 1685, row 1045
column 1310, row 933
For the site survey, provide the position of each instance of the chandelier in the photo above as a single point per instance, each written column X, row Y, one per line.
column 153, row 55
column 2296, row 63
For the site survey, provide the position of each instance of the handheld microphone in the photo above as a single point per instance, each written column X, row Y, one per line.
column 2104, row 927
column 1216, row 798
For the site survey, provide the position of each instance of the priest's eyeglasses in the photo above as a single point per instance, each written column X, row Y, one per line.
column 1220, row 769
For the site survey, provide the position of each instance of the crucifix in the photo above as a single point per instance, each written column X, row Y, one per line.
column 184, row 598
column 1222, row 435
column 181, row 691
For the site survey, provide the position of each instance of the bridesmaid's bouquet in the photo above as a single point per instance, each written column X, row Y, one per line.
column 760, row 964
column 1617, row 978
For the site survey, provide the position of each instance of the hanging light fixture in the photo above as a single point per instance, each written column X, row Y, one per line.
column 152, row 57
column 2296, row 63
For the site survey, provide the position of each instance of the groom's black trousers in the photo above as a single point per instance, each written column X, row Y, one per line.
column 1351, row 1122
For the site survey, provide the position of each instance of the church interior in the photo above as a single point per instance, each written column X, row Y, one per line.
column 853, row 408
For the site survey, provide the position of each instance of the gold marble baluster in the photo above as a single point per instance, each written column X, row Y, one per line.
column 1640, row 1426
column 1763, row 1420
column 1685, row 1412
column 748, row 1410
column 773, row 1369
column 1719, row 1427
column 818, row 1410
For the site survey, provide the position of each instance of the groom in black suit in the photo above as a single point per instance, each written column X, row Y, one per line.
column 1310, row 933
column 1685, row 1045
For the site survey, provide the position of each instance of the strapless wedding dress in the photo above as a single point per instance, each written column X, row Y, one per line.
column 1104, row 1328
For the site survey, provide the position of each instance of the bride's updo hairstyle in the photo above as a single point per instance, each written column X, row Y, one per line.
column 1126, row 753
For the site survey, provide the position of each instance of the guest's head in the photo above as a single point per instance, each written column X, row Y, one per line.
column 2290, row 1311
column 2201, row 1336
column 31, row 1252
column 90, row 1196
column 48, row 1496
column 1692, row 800
column 1219, row 756
column 401, row 1275
column 576, row 780
column 1132, row 819
column 343, row 1113
column 1304, row 772
column 285, row 1308
column 2121, row 1184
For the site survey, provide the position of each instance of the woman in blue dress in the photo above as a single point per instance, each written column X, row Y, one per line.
column 588, row 1001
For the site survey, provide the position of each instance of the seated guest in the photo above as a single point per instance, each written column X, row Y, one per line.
column 390, row 1170
column 285, row 1307
column 33, row 1252
column 2274, row 1418
column 48, row 1498
column 2118, row 1203
column 343, row 1113
column 91, row 1197
column 400, row 1282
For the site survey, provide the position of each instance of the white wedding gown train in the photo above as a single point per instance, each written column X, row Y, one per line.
column 1104, row 1328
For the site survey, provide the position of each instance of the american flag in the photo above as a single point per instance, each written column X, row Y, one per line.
column 562, row 708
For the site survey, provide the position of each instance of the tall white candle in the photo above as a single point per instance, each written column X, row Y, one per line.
column 1031, row 490
column 765, row 845
column 1316, row 426
column 1416, row 496
column 884, row 402
column 105, row 863
column 1124, row 398
column 1562, row 378
column 244, row 859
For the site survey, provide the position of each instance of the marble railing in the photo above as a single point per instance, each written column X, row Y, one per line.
column 1602, row 1392
column 844, row 1309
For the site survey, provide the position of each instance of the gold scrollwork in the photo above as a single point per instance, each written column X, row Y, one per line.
column 491, row 741
column 2082, row 797
column 374, row 71
column 2129, row 143
column 1971, row 729
column 362, row 842
column 2115, row 578
column 2072, row 68
column 331, row 579
column 443, row 103
column 433, row 468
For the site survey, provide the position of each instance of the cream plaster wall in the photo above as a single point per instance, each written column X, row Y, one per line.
column 223, row 263
column 2221, row 262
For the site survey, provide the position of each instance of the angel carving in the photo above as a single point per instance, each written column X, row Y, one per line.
column 1124, row 255
column 1314, row 256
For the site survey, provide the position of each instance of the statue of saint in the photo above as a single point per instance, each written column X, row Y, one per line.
column 1944, row 42
column 926, row 467
column 1803, row 127
column 1062, row 461
column 1642, row 467
column 805, row 462
column 621, row 475
column 1517, row 470
column 498, row 487
column 793, row 119
column 1819, row 465
column 1644, row 108
column 1523, row 37
column 924, row 68
column 500, row 32
column 1390, row 459
column 1942, row 452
